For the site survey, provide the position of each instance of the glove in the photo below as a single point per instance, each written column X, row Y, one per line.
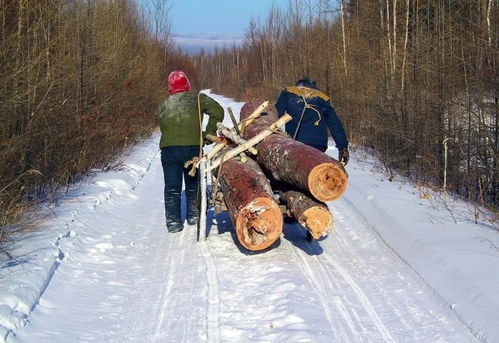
column 343, row 156
column 206, row 141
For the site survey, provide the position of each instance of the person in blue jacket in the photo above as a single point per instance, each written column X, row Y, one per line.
column 312, row 115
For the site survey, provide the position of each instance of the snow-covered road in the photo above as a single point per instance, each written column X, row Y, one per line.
column 129, row 280
column 121, row 277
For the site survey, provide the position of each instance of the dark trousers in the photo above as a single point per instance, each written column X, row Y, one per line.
column 173, row 159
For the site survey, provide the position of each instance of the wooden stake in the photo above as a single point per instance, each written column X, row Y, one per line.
column 234, row 122
column 234, row 137
column 213, row 138
column 243, row 158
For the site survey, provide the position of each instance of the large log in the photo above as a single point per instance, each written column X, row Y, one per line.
column 249, row 198
column 294, row 162
column 312, row 215
column 264, row 132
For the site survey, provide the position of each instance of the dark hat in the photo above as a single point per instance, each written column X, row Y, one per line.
column 303, row 81
column 306, row 82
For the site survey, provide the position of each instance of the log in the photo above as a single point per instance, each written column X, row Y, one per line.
column 293, row 162
column 264, row 132
column 250, row 201
column 312, row 215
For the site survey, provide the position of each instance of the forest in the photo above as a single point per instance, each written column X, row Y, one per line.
column 80, row 81
column 414, row 81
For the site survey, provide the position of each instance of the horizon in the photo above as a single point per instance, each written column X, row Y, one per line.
column 196, row 24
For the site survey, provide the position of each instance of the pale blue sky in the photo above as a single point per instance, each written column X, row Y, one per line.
column 206, row 24
column 222, row 16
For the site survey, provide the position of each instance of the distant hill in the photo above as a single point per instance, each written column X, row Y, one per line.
column 192, row 43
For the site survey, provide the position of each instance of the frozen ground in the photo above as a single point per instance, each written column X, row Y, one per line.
column 400, row 266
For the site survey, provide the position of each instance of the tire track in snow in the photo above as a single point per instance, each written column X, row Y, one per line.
column 322, row 285
column 182, row 291
column 169, row 276
column 320, row 289
column 190, row 325
column 359, row 293
column 364, row 300
column 213, row 312
column 336, row 300
column 400, row 307
column 323, row 280
column 148, row 313
column 386, row 281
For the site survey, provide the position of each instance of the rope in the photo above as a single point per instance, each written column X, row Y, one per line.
column 278, row 132
column 305, row 107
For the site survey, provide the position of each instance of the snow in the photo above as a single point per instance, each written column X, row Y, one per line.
column 403, row 264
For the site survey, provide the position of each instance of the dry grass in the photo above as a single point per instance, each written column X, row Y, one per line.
column 80, row 82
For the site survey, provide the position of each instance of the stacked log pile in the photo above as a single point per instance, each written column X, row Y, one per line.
column 305, row 176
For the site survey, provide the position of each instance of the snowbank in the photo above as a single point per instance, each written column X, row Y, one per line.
column 436, row 235
column 37, row 254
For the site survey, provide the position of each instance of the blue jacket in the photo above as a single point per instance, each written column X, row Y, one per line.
column 317, row 118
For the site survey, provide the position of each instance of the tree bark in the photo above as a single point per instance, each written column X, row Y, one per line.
column 265, row 132
column 312, row 215
column 294, row 162
column 250, row 201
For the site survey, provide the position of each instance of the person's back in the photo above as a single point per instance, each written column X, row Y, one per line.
column 312, row 115
column 179, row 118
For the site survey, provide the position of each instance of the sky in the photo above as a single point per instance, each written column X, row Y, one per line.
column 205, row 24
column 222, row 16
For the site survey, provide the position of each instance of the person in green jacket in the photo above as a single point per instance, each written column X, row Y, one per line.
column 180, row 121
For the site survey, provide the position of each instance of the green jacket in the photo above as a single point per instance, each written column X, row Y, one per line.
column 179, row 118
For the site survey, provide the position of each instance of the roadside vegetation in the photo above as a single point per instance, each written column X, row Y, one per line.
column 79, row 82
column 415, row 80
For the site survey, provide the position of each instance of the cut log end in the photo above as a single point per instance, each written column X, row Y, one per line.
column 259, row 224
column 318, row 221
column 327, row 181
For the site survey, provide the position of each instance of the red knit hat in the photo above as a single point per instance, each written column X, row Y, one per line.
column 178, row 82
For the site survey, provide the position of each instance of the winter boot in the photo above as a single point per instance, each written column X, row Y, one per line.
column 175, row 227
column 192, row 221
